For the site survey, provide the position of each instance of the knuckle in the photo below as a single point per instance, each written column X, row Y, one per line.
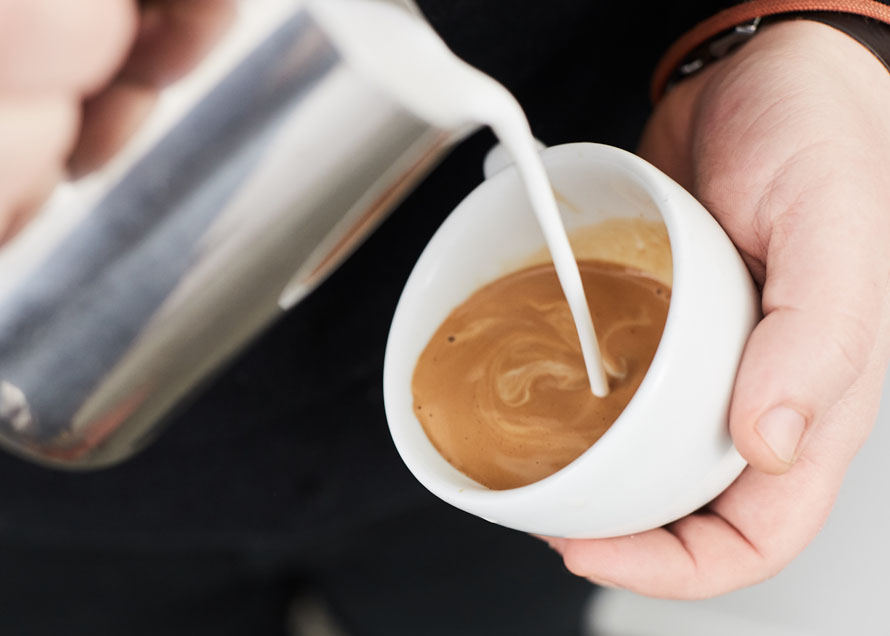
column 853, row 341
column 108, row 40
column 575, row 563
column 47, row 128
column 56, row 125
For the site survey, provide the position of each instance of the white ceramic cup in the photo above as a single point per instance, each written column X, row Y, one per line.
column 669, row 452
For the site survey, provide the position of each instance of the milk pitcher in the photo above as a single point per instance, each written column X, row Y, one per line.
column 134, row 286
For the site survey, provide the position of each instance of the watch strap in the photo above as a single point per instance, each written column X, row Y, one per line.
column 865, row 20
column 872, row 34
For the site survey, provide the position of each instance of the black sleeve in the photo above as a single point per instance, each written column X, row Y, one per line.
column 513, row 41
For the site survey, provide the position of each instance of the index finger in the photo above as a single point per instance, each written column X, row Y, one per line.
column 699, row 556
column 743, row 537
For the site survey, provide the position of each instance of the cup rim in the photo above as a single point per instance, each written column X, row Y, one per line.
column 657, row 187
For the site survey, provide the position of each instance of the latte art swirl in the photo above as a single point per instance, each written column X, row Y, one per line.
column 501, row 388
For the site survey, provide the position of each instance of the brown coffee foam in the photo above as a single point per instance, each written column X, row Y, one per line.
column 501, row 389
column 637, row 243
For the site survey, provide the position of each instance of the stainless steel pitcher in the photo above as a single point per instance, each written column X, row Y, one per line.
column 110, row 316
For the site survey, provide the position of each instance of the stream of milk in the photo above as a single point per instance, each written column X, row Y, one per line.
column 402, row 55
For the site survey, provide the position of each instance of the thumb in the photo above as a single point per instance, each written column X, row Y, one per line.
column 822, row 304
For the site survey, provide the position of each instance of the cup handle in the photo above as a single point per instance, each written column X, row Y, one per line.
column 498, row 158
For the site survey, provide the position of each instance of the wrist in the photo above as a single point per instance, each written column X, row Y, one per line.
column 795, row 56
column 806, row 57
column 794, row 74
column 803, row 38
column 867, row 21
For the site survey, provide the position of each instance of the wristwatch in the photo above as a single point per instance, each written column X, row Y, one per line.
column 872, row 34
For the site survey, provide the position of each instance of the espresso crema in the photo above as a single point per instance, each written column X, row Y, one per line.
column 501, row 388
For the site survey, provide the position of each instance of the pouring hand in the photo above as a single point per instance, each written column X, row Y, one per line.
column 787, row 143
column 76, row 78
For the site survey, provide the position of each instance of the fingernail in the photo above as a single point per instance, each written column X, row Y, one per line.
column 782, row 429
